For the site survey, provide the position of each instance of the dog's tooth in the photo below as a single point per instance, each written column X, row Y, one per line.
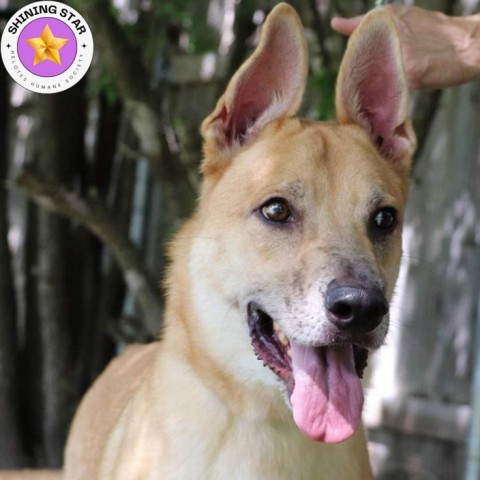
column 289, row 352
column 280, row 335
column 282, row 338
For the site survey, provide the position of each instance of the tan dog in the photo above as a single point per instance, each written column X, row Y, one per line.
column 278, row 286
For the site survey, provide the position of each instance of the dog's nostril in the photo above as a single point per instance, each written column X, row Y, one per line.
column 356, row 308
column 341, row 310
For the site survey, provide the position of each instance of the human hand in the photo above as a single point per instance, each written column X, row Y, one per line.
column 438, row 51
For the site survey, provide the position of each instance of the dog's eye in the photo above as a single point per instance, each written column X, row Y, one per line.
column 276, row 210
column 385, row 220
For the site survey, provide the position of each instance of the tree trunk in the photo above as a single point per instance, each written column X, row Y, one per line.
column 60, row 150
column 10, row 442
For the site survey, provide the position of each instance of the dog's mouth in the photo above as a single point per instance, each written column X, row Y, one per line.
column 323, row 382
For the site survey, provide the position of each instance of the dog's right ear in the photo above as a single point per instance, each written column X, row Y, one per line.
column 268, row 86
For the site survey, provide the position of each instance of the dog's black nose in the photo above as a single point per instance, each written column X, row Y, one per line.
column 358, row 309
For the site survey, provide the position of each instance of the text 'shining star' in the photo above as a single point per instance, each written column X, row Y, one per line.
column 47, row 47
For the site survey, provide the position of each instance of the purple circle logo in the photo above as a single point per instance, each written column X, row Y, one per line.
column 47, row 47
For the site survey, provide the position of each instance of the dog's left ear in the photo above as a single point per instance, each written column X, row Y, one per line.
column 268, row 86
column 372, row 89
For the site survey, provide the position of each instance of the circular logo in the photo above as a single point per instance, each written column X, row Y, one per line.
column 47, row 47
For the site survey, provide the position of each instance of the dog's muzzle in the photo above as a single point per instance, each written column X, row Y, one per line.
column 322, row 377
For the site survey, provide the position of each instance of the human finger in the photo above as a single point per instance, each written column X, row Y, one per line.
column 345, row 26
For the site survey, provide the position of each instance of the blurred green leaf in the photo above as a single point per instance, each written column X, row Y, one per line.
column 324, row 80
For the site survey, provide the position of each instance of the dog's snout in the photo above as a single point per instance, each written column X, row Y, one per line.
column 358, row 309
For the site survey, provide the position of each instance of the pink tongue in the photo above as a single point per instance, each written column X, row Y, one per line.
column 327, row 399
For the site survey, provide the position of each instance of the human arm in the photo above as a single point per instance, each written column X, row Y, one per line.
column 438, row 50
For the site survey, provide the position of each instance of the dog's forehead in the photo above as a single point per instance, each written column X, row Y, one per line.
column 301, row 157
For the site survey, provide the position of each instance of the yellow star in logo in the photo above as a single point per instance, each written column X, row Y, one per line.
column 47, row 47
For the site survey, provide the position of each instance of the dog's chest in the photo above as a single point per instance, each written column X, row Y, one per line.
column 263, row 452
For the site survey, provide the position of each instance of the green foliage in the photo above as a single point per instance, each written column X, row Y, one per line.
column 105, row 85
column 177, row 10
column 203, row 40
column 324, row 80
column 189, row 17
